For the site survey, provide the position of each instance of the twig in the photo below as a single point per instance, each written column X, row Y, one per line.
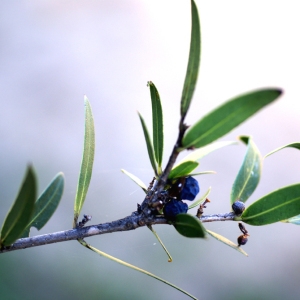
column 129, row 223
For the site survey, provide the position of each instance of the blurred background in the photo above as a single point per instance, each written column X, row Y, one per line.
column 52, row 53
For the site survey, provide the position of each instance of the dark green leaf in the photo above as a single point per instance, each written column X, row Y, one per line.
column 149, row 145
column 183, row 170
column 193, row 63
column 203, row 151
column 189, row 226
column 157, row 123
column 226, row 241
column 274, row 207
column 227, row 117
column 138, row 181
column 46, row 204
column 87, row 161
column 21, row 211
column 292, row 145
column 249, row 173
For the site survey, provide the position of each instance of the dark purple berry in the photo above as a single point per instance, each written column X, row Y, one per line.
column 238, row 207
column 190, row 189
column 242, row 239
column 173, row 208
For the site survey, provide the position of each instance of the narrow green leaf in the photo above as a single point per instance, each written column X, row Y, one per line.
column 87, row 161
column 226, row 241
column 157, row 123
column 82, row 242
column 21, row 211
column 294, row 220
column 202, row 173
column 279, row 205
column 203, row 151
column 189, row 226
column 193, row 63
column 227, row 117
column 161, row 243
column 292, row 145
column 46, row 204
column 138, row 181
column 149, row 145
column 183, row 170
column 200, row 200
column 249, row 173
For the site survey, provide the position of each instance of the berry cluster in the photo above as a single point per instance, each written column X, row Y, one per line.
column 184, row 188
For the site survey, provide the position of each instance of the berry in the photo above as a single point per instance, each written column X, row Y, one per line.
column 238, row 207
column 242, row 239
column 173, row 208
column 190, row 189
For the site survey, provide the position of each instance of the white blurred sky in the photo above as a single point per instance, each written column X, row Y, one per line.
column 54, row 52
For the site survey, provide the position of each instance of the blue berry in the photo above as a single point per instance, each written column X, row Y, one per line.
column 190, row 190
column 238, row 207
column 173, row 208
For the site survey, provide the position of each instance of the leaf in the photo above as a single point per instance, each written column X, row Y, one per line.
column 87, row 161
column 183, row 170
column 21, row 211
column 161, row 243
column 149, row 144
column 82, row 242
column 189, row 226
column 138, row 181
column 202, row 173
column 193, row 63
column 203, row 151
column 294, row 220
column 292, row 145
column 226, row 241
column 157, row 123
column 274, row 207
column 227, row 117
column 200, row 200
column 46, row 204
column 249, row 173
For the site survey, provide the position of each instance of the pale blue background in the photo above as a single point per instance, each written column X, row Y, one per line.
column 54, row 52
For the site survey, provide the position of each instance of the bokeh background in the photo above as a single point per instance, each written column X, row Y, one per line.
column 54, row 52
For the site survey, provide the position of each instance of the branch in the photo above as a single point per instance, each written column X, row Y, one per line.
column 129, row 223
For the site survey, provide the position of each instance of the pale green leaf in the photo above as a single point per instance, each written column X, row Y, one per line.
column 294, row 220
column 138, row 181
column 82, row 242
column 87, row 161
column 193, row 63
column 21, row 210
column 149, row 145
column 46, row 204
column 226, row 241
column 203, row 151
column 200, row 200
column 161, row 243
column 249, row 173
column 291, row 145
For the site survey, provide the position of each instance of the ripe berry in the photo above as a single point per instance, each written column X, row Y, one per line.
column 238, row 207
column 173, row 208
column 190, row 189
column 242, row 239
